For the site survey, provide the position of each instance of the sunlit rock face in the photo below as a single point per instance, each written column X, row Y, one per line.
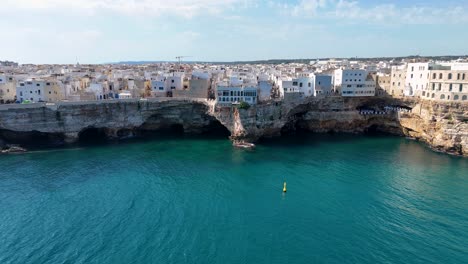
column 443, row 126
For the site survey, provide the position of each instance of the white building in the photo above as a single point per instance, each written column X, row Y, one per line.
column 227, row 95
column 175, row 82
column 417, row 78
column 38, row 91
column 305, row 86
column 354, row 83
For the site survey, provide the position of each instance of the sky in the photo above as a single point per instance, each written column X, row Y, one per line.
column 100, row 31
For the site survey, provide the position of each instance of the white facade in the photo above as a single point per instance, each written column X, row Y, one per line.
column 236, row 94
column 305, row 86
column 354, row 83
column 38, row 91
column 98, row 90
column 417, row 78
column 175, row 82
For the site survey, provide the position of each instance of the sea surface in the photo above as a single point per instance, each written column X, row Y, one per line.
column 350, row 199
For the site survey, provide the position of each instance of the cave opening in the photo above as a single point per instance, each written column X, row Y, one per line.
column 376, row 130
column 216, row 129
column 92, row 135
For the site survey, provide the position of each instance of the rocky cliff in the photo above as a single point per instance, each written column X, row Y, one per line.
column 68, row 123
column 443, row 126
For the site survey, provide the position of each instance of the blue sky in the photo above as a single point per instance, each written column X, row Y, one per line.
column 97, row 31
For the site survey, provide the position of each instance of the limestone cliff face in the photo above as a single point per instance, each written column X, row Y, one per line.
column 443, row 126
column 64, row 123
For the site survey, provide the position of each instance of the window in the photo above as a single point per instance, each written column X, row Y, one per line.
column 294, row 83
column 30, row 91
column 463, row 77
column 412, row 68
column 8, row 90
column 309, row 85
column 455, row 97
column 39, row 92
column 300, row 85
column 161, row 88
column 21, row 93
column 50, row 92
column 441, row 76
column 460, row 89
column 48, row 84
column 458, row 76
column 21, row 84
column 450, row 76
column 1, row 80
column 411, row 76
column 433, row 86
column 434, row 75
column 440, row 86
column 172, row 81
column 37, row 84
column 450, row 87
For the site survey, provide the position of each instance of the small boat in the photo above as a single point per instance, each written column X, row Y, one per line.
column 244, row 145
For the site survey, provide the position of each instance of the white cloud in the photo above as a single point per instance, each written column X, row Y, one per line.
column 351, row 11
column 390, row 13
column 185, row 8
column 309, row 7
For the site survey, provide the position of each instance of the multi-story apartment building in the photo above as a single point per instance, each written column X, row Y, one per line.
column 354, row 83
column 447, row 84
column 227, row 95
column 417, row 77
column 398, row 81
column 35, row 90
column 382, row 84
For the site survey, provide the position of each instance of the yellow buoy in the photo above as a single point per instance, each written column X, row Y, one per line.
column 284, row 187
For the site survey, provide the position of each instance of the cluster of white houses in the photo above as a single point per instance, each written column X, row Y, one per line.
column 232, row 84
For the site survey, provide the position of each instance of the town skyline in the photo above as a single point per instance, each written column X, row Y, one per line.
column 100, row 31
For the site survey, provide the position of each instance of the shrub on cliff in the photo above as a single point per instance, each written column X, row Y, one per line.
column 243, row 105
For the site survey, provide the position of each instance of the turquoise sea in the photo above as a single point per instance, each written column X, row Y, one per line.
column 350, row 199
